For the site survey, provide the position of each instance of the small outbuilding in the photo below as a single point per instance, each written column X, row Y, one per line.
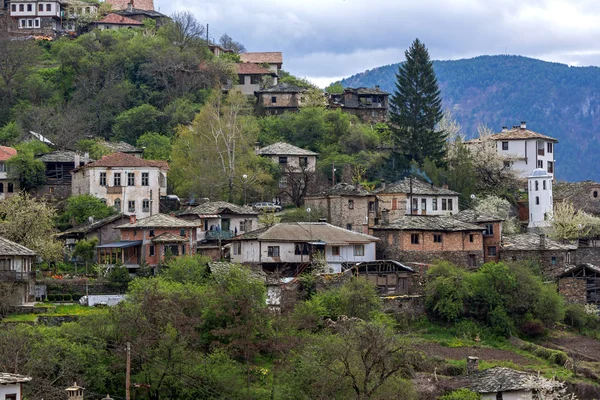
column 581, row 284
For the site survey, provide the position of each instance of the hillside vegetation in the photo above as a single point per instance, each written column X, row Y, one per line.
column 554, row 99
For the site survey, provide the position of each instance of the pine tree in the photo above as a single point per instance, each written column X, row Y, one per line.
column 416, row 108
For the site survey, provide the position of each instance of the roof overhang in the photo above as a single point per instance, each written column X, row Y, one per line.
column 124, row 244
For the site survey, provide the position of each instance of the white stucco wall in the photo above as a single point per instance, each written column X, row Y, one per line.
column 539, row 214
column 10, row 389
column 293, row 162
column 516, row 395
column 429, row 206
column 524, row 155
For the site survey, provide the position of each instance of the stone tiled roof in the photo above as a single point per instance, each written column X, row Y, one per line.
column 581, row 194
column 475, row 217
column 138, row 11
column 270, row 57
column 168, row 238
column 418, row 188
column 575, row 268
column 7, row 152
column 219, row 207
column 533, row 242
column 343, row 189
column 88, row 227
column 438, row 223
column 121, row 147
column 285, row 149
column 116, row 19
column 125, row 160
column 252, row 69
column 10, row 248
column 282, row 88
column 160, row 221
column 366, row 91
column 307, row 232
column 500, row 379
column 520, row 134
column 9, row 379
column 60, row 156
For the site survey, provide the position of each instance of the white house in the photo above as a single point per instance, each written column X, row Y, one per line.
column 251, row 77
column 509, row 384
column 7, row 187
column 290, row 157
column 130, row 184
column 539, row 190
column 36, row 14
column 11, row 386
column 524, row 149
column 296, row 245
column 271, row 59
column 221, row 220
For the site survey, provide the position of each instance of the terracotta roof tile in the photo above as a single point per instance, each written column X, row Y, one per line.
column 116, row 19
column 272, row 57
column 253, row 69
column 6, row 153
column 125, row 160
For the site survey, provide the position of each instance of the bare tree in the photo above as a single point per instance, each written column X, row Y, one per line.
column 228, row 43
column 185, row 30
column 295, row 182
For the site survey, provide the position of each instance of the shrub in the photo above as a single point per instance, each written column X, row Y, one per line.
column 500, row 322
column 67, row 297
column 51, row 297
column 534, row 329
column 576, row 316
column 461, row 394
column 467, row 329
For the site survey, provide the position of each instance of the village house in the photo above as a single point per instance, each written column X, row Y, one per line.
column 217, row 50
column 390, row 278
column 272, row 60
column 541, row 204
column 102, row 230
column 584, row 196
column 505, row 383
column 278, row 99
column 130, row 184
column 221, row 220
column 11, row 386
column 524, row 150
column 492, row 235
column 370, row 105
column 148, row 241
column 580, row 284
column 252, row 77
column 291, row 248
column 117, row 5
column 347, row 206
column 135, row 13
column 59, row 164
column 115, row 21
column 41, row 17
column 553, row 257
column 122, row 147
column 17, row 272
column 7, row 186
column 426, row 239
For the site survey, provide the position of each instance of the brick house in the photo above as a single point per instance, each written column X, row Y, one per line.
column 102, row 230
column 370, row 105
column 7, row 187
column 492, row 236
column 148, row 241
column 580, row 284
column 17, row 272
column 425, row 239
column 553, row 257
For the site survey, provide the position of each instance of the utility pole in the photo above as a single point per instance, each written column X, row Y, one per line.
column 333, row 174
column 207, row 40
column 128, row 373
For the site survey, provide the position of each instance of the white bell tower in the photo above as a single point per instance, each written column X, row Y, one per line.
column 540, row 199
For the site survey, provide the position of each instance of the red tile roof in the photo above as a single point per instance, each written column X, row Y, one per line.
column 6, row 153
column 272, row 57
column 118, row 20
column 126, row 160
column 252, row 69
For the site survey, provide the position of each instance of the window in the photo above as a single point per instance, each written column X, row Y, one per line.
column 537, row 200
column 351, row 204
column 437, row 238
column 40, row 7
column 255, row 79
column 131, row 206
column 359, row 250
column 5, row 264
column 151, row 248
column 550, row 167
column 117, row 179
column 540, row 164
column 554, row 260
column 595, row 194
column 335, row 251
column 444, row 205
column 117, row 205
column 102, row 178
column 29, row 7
column 183, row 249
column 499, row 396
column 242, row 226
column 282, row 160
column 145, row 205
column 36, row 23
column 471, row 238
column 472, row 260
column 537, row 185
column 489, row 230
column 13, row 7
column 273, row 99
column 273, row 251
column 303, row 161
column 544, row 185
column 549, row 145
column 301, row 249
column 283, row 182
column 492, row 251
column 349, row 227
column 450, row 206
column 1, row 187
column 49, row 7
column 182, row 232
column 415, row 204
column 131, row 179
column 23, row 23
column 151, row 233
column 11, row 187
column 12, row 396
column 424, row 204
column 21, row 7
column 434, row 204
column 504, row 145
column 145, row 178
column 237, row 248
column 30, row 23
column 103, row 201
column 414, row 238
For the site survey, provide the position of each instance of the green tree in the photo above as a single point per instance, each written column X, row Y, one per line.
column 155, row 145
column 133, row 123
column 187, row 269
column 81, row 207
column 27, row 170
column 95, row 148
column 85, row 250
column 416, row 108
column 335, row 88
column 10, row 133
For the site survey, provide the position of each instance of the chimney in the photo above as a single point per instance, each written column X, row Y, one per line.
column 515, row 126
column 385, row 216
column 383, row 183
column 108, row 397
column 75, row 392
column 542, row 241
column 86, row 158
column 445, row 186
column 504, row 128
column 377, row 87
column 130, row 6
column 76, row 160
column 472, row 365
column 132, row 219
column 523, row 125
column 256, row 147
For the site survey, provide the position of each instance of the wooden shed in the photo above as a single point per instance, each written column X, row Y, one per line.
column 581, row 284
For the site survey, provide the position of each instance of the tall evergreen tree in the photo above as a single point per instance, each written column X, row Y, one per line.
column 416, row 108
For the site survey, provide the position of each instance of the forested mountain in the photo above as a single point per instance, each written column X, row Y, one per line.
column 554, row 99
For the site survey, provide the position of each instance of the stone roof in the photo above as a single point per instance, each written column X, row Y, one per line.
column 125, row 160
column 159, row 221
column 219, row 207
column 10, row 248
column 121, row 147
column 88, row 227
column 418, row 188
column 221, row 268
column 367, row 91
column 253, row 69
column 286, row 149
column 124, row 4
column 7, row 152
column 168, row 238
column 128, row 12
column 581, row 194
column 476, row 217
column 115, row 19
column 308, row 232
column 501, row 379
column 9, row 379
column 282, row 87
column 269, row 57
column 343, row 189
column 575, row 268
column 533, row 242
column 437, row 223
column 520, row 134
column 61, row 156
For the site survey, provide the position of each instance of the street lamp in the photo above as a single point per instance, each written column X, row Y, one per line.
column 245, row 179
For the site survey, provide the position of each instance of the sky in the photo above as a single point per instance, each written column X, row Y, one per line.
column 326, row 40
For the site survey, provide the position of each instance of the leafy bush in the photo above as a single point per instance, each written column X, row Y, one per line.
column 534, row 329
column 461, row 394
column 67, row 297
column 576, row 316
column 467, row 329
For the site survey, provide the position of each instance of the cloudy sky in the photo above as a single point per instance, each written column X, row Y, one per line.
column 325, row 40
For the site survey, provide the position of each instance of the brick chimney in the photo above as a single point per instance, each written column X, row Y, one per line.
column 445, row 186
column 472, row 365
column 385, row 216
column 523, row 125
column 383, row 183
column 132, row 219
column 76, row 160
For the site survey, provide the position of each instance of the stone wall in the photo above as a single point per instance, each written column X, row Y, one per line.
column 589, row 255
column 408, row 306
column 369, row 115
column 573, row 289
column 551, row 268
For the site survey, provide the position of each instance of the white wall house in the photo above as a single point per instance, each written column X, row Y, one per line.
column 11, row 386
column 221, row 220
column 431, row 205
column 299, row 243
column 7, row 186
column 130, row 184
column 539, row 190
column 34, row 14
column 17, row 267
column 251, row 77
column 290, row 157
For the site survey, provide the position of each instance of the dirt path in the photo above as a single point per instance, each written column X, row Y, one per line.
column 461, row 353
column 583, row 346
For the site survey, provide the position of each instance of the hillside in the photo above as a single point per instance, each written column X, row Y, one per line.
column 554, row 99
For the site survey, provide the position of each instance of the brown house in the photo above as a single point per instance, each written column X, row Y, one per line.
column 426, row 239
column 278, row 99
column 492, row 236
column 581, row 284
column 370, row 105
column 17, row 272
column 103, row 230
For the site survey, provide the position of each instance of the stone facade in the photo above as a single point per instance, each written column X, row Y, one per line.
column 588, row 255
column 552, row 262
column 355, row 213
column 573, row 289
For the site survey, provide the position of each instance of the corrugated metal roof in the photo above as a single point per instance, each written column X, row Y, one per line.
column 308, row 232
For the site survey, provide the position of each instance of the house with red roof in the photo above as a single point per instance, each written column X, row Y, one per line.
column 272, row 59
column 130, row 184
column 116, row 21
column 7, row 187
